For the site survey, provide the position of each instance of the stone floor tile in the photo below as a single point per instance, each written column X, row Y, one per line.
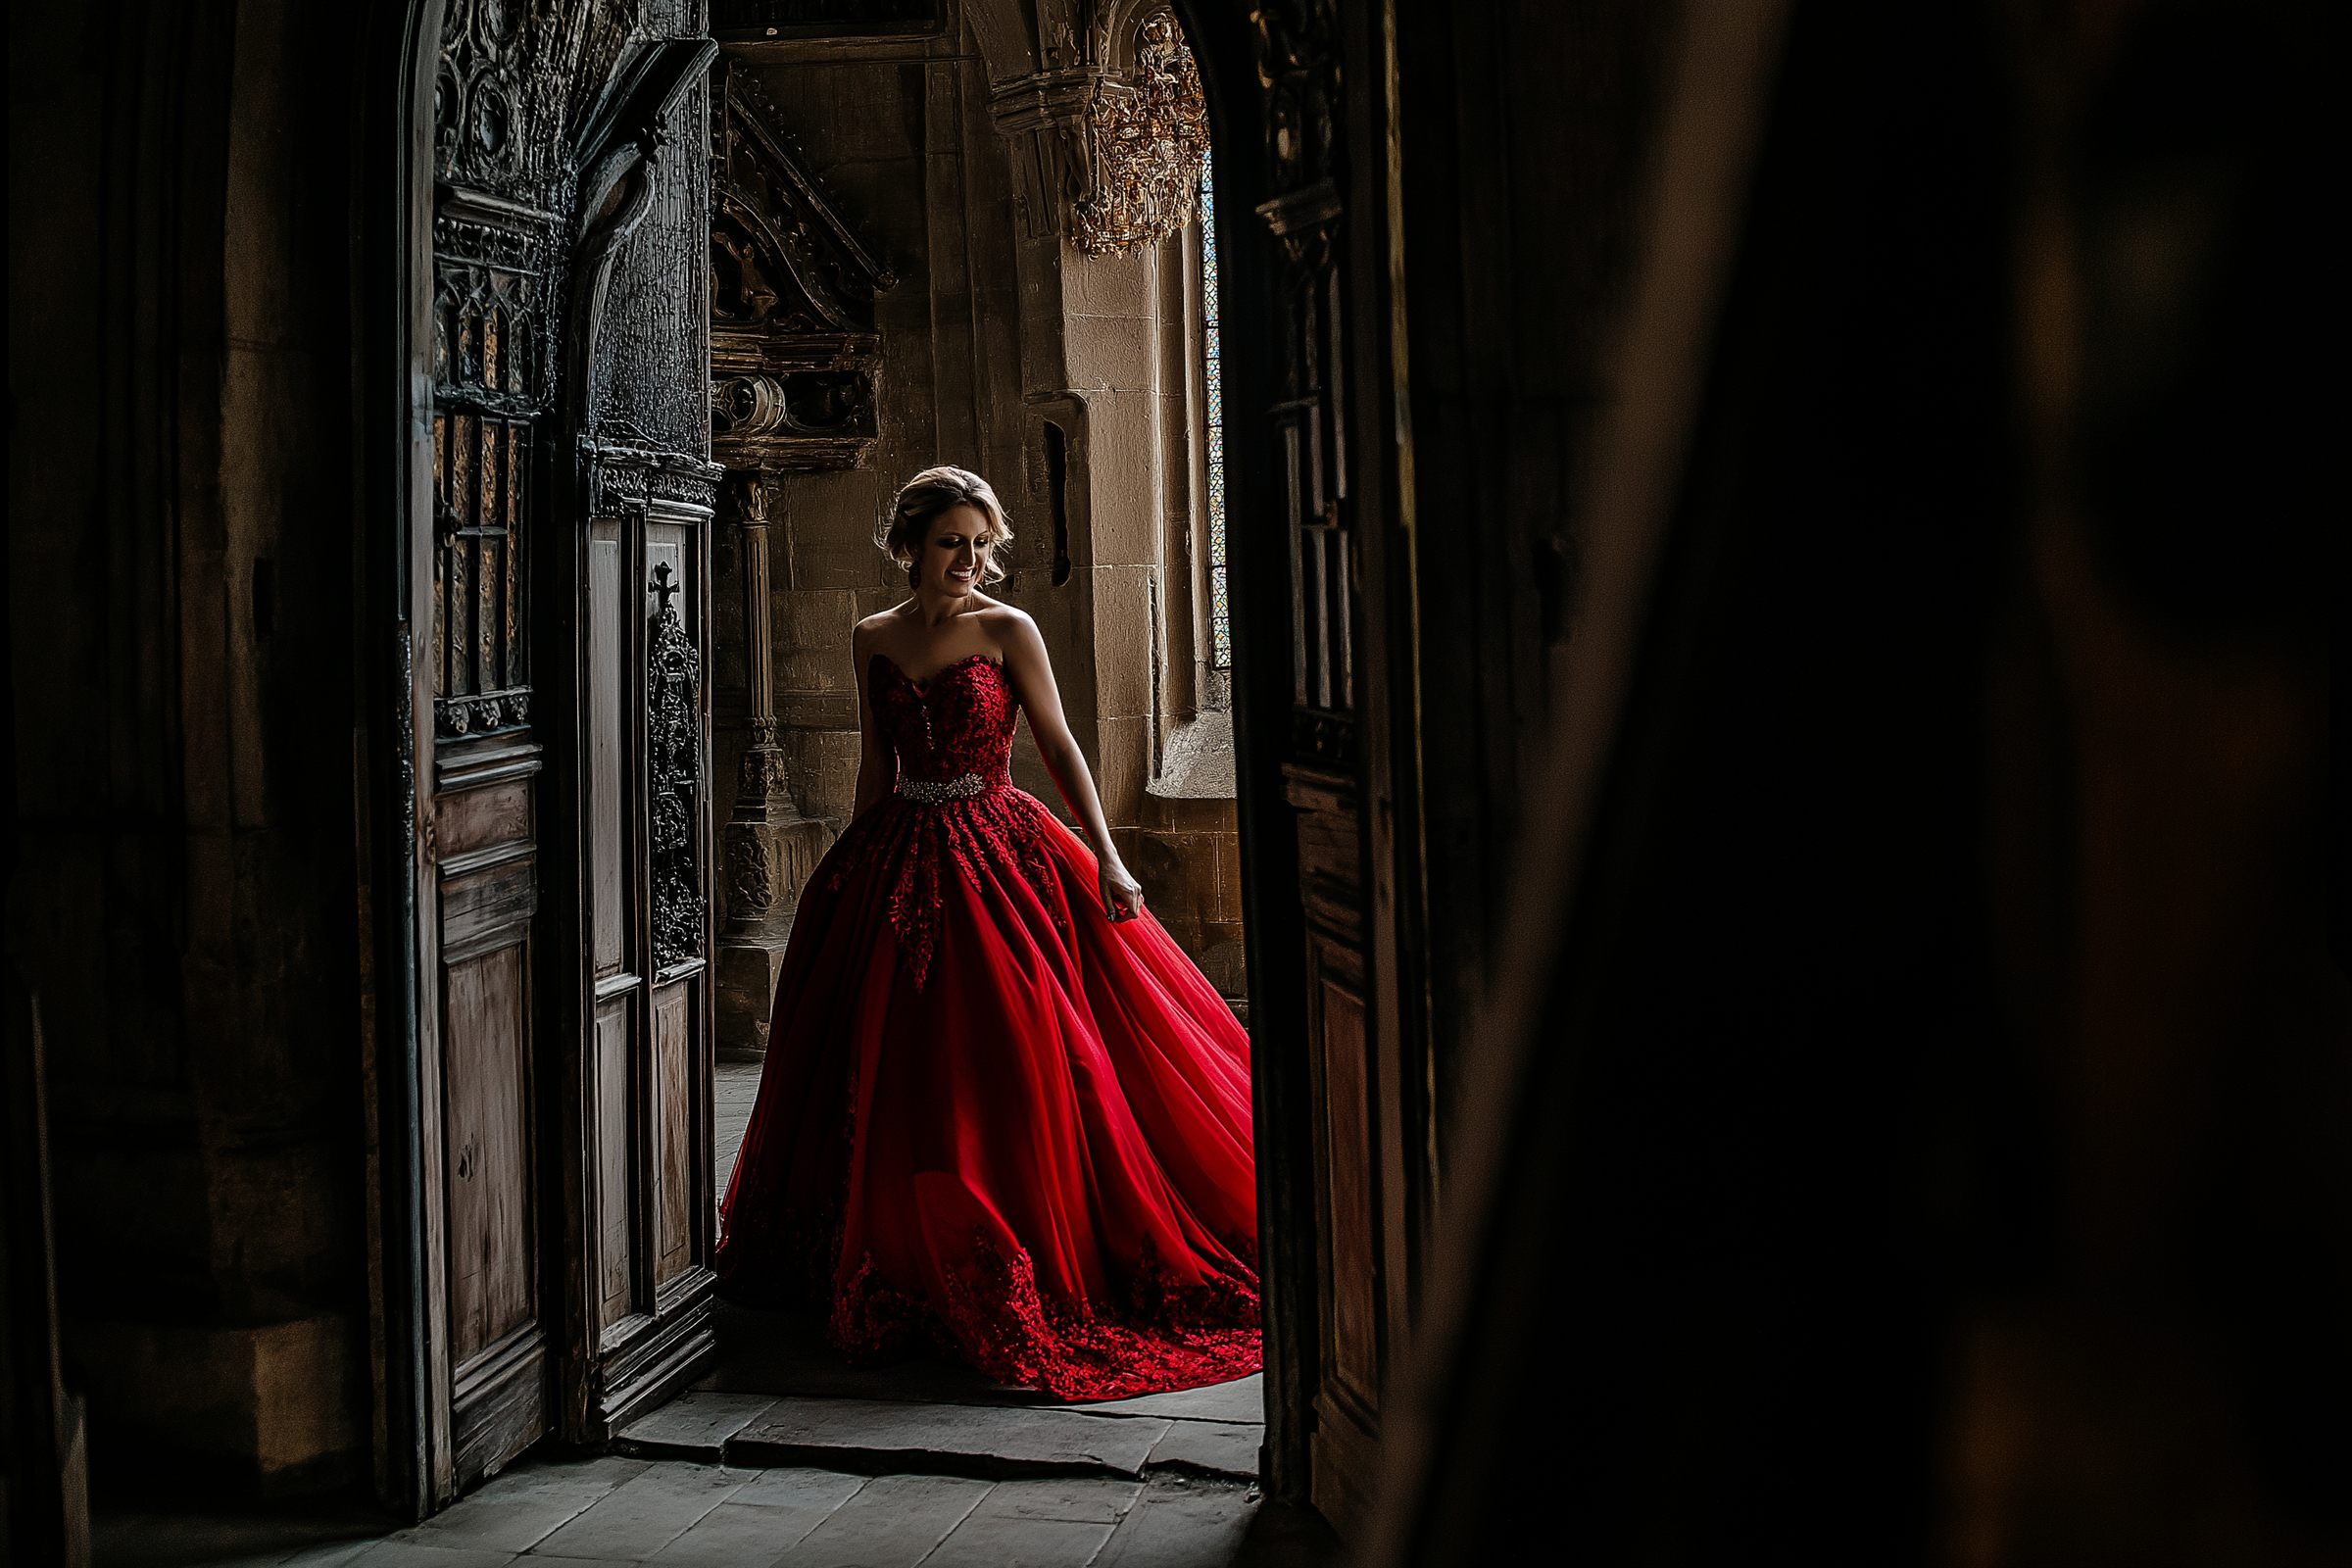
column 409, row 1554
column 1183, row 1523
column 894, row 1522
column 1241, row 1401
column 531, row 1501
column 693, row 1426
column 1214, row 1445
column 1003, row 1541
column 327, row 1554
column 861, row 1434
column 735, row 1089
column 792, row 1487
column 1080, row 1500
column 637, row 1519
column 737, row 1535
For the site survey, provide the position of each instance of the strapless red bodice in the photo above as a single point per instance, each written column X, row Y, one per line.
column 960, row 723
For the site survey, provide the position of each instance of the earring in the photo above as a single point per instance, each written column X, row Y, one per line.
column 914, row 577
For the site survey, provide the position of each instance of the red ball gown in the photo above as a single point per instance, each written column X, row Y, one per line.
column 994, row 1125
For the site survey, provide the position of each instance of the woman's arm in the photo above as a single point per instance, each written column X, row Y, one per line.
column 877, row 768
column 1033, row 677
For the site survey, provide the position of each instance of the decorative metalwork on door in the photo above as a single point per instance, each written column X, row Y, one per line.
column 674, row 743
column 480, row 478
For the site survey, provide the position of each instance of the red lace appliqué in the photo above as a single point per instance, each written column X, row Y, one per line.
column 1167, row 1335
column 960, row 723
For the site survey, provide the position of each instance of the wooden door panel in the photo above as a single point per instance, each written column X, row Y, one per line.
column 674, row 1134
column 488, row 1148
column 499, row 1404
column 610, row 725
column 665, row 545
column 487, row 900
column 483, row 818
column 486, row 1121
column 615, row 1257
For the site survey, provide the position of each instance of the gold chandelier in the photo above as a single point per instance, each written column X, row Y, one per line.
column 1150, row 140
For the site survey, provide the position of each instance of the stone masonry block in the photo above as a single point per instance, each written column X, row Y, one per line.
column 817, row 656
column 1123, row 486
column 824, row 770
column 846, row 564
column 1122, row 642
column 825, row 670
column 746, row 994
column 835, row 509
column 1114, row 286
column 818, row 709
column 1124, row 767
column 268, row 1408
column 1111, row 353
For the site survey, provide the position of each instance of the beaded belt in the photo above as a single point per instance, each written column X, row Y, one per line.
column 962, row 788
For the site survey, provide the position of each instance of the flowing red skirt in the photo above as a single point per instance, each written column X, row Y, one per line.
column 994, row 1125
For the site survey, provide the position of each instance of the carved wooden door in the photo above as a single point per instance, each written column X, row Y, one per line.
column 480, row 766
column 556, row 604
column 642, row 981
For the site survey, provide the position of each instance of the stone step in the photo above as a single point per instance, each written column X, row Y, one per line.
column 882, row 1437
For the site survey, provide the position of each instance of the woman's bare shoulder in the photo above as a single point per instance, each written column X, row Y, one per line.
column 877, row 625
column 1005, row 624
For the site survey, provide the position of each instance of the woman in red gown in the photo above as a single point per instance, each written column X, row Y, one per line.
column 1002, row 1117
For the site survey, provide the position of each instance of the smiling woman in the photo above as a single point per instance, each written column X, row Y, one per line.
column 1003, row 1116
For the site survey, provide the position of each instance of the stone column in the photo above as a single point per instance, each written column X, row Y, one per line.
column 1106, row 164
column 770, row 847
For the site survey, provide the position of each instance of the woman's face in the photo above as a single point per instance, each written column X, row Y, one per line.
column 953, row 552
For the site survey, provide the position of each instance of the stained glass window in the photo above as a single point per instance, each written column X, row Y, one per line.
column 1220, row 624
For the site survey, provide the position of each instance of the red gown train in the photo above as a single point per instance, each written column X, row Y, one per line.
column 993, row 1124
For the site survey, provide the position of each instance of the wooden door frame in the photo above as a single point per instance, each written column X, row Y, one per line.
column 1285, row 1079
column 392, row 254
column 1274, row 929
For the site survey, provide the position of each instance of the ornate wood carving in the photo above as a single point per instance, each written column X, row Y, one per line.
column 674, row 747
column 498, row 245
column 519, row 82
column 522, row 93
column 794, row 351
column 628, row 476
column 551, row 423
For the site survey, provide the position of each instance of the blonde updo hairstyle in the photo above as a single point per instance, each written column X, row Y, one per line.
column 920, row 501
